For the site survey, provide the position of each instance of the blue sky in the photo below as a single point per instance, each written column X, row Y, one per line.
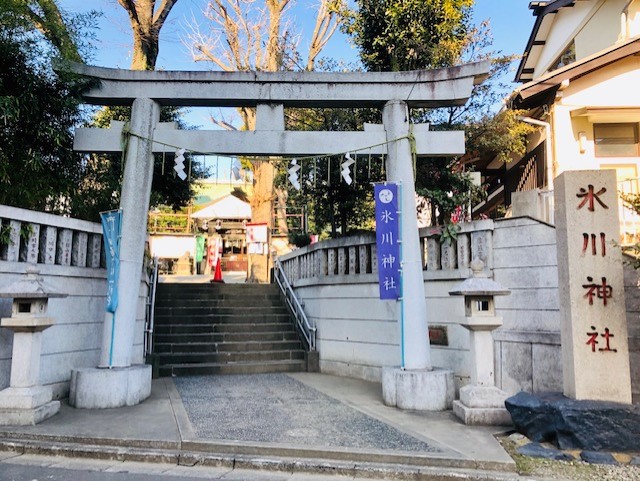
column 511, row 22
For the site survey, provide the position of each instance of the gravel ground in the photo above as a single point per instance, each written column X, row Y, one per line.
column 278, row 409
column 568, row 470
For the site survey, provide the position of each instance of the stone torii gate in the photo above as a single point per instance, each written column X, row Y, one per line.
column 269, row 93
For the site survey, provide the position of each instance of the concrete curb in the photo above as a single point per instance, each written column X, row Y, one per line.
column 366, row 469
column 116, row 447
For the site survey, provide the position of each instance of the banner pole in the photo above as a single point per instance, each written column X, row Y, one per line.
column 401, row 299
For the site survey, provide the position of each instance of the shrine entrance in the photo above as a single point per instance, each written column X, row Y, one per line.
column 270, row 93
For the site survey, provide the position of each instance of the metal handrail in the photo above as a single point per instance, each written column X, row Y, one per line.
column 151, row 308
column 305, row 327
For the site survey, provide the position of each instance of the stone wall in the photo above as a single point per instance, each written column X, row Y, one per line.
column 527, row 346
column 632, row 297
column 358, row 334
column 68, row 253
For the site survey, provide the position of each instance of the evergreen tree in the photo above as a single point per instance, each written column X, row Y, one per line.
column 394, row 35
column 38, row 109
column 421, row 34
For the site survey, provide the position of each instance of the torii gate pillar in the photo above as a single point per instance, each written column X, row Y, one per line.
column 121, row 380
column 416, row 385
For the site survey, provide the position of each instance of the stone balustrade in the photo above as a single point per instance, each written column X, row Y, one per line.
column 349, row 256
column 354, row 257
column 40, row 238
column 473, row 240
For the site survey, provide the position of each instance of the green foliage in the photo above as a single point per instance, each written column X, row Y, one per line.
column 26, row 230
column 449, row 233
column 5, row 234
column 503, row 136
column 38, row 108
column 332, row 206
column 632, row 201
column 411, row 34
column 446, row 186
column 99, row 189
column 299, row 239
column 68, row 35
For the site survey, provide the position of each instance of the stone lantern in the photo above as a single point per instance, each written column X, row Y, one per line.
column 25, row 401
column 481, row 402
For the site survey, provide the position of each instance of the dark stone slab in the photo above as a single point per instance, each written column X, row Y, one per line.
column 571, row 424
column 595, row 457
column 536, row 450
column 635, row 461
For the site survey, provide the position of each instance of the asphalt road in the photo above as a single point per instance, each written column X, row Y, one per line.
column 43, row 468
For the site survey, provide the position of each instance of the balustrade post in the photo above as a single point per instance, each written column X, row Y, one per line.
column 331, row 262
column 362, row 258
column 433, row 254
column 463, row 251
column 48, row 241
column 448, row 255
column 352, row 260
column 94, row 249
column 308, row 263
column 79, row 249
column 482, row 247
column 323, row 263
column 33, row 243
column 374, row 259
column 13, row 248
column 63, row 249
column 342, row 261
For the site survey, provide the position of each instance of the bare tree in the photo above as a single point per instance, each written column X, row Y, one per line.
column 146, row 22
column 248, row 37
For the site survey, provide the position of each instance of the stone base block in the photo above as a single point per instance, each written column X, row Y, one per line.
column 420, row 390
column 481, row 416
column 474, row 396
column 25, row 397
column 28, row 417
column 482, row 405
column 313, row 361
column 25, row 406
column 100, row 388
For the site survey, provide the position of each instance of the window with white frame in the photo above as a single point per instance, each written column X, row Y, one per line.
column 616, row 140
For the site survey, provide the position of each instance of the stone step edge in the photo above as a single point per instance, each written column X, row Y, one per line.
column 209, row 353
column 186, row 365
column 429, row 469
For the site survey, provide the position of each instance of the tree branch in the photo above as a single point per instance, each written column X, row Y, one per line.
column 162, row 13
column 130, row 7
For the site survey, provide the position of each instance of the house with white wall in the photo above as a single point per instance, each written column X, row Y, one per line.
column 579, row 72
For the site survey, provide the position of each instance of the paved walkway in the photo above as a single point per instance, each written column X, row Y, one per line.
column 305, row 421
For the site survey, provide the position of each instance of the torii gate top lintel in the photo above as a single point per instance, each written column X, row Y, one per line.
column 419, row 88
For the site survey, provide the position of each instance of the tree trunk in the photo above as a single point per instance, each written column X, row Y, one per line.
column 145, row 50
column 281, row 211
column 146, row 25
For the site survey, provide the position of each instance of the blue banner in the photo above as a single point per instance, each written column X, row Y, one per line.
column 111, row 222
column 387, row 239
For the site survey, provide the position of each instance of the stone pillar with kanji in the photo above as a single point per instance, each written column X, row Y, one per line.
column 595, row 352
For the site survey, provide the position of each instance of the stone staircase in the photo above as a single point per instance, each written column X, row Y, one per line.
column 224, row 329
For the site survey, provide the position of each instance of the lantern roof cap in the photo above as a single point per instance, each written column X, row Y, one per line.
column 479, row 283
column 32, row 286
